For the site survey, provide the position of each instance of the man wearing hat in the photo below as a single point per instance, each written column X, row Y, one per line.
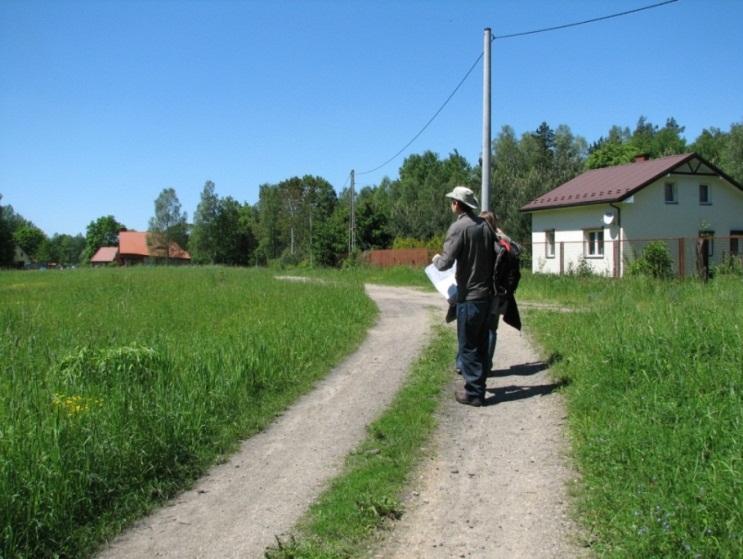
column 470, row 243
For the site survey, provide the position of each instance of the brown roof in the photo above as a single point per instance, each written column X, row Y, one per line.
column 614, row 184
column 105, row 254
column 135, row 243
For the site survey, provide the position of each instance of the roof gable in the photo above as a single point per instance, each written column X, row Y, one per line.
column 614, row 184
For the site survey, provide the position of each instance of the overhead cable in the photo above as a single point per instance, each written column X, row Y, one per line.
column 577, row 23
column 510, row 36
column 430, row 120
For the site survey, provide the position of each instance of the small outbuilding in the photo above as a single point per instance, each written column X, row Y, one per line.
column 105, row 256
column 603, row 218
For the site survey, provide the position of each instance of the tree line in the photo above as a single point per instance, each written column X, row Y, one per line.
column 302, row 220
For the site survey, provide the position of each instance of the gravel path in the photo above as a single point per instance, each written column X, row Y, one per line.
column 238, row 508
column 495, row 485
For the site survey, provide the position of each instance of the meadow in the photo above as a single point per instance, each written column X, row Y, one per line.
column 120, row 386
column 654, row 373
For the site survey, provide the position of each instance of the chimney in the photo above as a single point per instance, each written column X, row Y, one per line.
column 640, row 157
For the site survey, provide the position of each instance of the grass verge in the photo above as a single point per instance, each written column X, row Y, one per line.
column 655, row 399
column 343, row 521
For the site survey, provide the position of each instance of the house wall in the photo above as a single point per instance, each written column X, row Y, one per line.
column 570, row 225
column 645, row 216
column 651, row 217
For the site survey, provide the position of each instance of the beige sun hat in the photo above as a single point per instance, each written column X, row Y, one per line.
column 464, row 195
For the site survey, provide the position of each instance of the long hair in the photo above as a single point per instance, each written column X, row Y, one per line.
column 491, row 219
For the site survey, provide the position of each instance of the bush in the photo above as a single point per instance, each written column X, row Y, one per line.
column 730, row 265
column 655, row 262
column 582, row 269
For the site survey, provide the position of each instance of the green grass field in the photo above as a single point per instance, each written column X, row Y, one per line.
column 120, row 386
column 655, row 396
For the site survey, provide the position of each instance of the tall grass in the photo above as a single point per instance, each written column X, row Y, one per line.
column 119, row 387
column 656, row 411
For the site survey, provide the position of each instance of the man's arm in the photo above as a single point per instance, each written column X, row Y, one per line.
column 452, row 246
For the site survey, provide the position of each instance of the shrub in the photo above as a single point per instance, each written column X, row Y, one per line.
column 730, row 266
column 582, row 269
column 655, row 262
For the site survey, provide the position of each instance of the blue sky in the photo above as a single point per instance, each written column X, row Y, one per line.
column 105, row 103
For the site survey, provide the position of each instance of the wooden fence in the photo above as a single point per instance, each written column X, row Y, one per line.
column 385, row 258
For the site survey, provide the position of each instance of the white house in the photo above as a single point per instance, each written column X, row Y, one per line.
column 604, row 217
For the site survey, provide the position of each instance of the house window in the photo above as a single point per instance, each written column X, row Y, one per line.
column 594, row 243
column 736, row 244
column 704, row 195
column 670, row 193
column 550, row 243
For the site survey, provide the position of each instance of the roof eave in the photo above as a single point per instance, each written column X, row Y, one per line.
column 526, row 209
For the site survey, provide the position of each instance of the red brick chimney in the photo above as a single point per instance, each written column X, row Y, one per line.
column 641, row 157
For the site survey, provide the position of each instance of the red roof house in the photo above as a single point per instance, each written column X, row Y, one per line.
column 599, row 217
column 134, row 249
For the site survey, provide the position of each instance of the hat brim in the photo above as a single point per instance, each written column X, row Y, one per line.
column 458, row 199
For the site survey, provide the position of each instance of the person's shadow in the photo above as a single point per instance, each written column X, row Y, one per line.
column 514, row 392
column 526, row 369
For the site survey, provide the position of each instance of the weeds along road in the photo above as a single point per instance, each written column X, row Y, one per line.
column 241, row 505
column 494, row 483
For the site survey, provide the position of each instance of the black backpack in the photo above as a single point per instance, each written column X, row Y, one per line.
column 507, row 271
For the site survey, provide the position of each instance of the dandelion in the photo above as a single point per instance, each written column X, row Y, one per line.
column 73, row 405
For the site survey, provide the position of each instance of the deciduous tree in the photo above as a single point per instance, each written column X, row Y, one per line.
column 101, row 232
column 169, row 223
column 205, row 233
column 7, row 245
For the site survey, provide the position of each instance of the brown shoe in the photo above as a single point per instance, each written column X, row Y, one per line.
column 463, row 398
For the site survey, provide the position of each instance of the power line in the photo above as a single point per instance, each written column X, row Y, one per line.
column 577, row 23
column 430, row 120
column 510, row 36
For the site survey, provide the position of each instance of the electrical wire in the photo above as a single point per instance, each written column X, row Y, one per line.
column 430, row 120
column 577, row 23
column 509, row 36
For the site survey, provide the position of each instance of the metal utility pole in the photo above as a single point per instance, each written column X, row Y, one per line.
column 485, row 192
column 352, row 221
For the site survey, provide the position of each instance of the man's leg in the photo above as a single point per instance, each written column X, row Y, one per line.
column 472, row 333
column 492, row 339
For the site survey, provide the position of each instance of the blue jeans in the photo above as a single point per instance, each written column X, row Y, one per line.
column 472, row 335
column 492, row 340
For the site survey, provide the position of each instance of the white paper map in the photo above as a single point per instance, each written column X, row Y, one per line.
column 444, row 282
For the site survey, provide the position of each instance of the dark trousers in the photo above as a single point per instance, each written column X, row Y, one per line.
column 472, row 334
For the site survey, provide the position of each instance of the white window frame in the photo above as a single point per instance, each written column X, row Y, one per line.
column 670, row 187
column 593, row 243
column 549, row 243
column 704, row 200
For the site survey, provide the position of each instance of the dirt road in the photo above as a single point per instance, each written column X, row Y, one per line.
column 496, row 483
column 494, row 486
